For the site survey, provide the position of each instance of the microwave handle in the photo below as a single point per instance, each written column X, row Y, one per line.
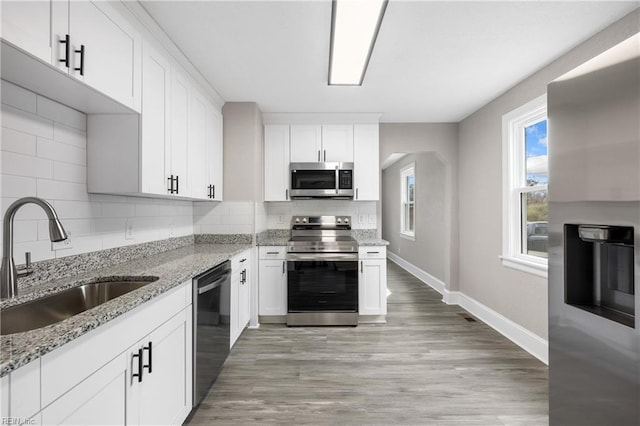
column 337, row 180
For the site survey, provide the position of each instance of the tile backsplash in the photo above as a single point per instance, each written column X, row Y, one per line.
column 43, row 154
column 363, row 213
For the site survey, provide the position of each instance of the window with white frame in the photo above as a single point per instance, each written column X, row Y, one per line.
column 408, row 201
column 525, row 179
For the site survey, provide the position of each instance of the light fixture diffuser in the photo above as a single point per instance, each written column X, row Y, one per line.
column 354, row 28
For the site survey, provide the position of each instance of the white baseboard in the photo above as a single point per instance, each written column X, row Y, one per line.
column 530, row 342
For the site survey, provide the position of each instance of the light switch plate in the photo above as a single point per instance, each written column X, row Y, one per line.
column 362, row 218
column 129, row 231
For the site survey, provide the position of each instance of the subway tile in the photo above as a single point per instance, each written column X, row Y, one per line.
column 18, row 186
column 152, row 210
column 76, row 227
column 209, row 219
column 47, row 148
column 108, row 225
column 25, row 230
column 240, row 219
column 69, row 135
column 118, row 210
column 85, row 244
column 58, row 190
column 25, row 165
column 18, row 142
column 77, row 209
column 59, row 113
column 25, row 212
column 40, row 250
column 18, row 97
column 26, row 122
column 68, row 172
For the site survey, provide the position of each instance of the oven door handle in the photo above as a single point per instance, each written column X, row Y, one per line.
column 333, row 257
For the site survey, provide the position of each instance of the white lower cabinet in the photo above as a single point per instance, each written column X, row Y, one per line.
column 135, row 369
column 372, row 280
column 99, row 399
column 240, row 293
column 158, row 386
column 272, row 273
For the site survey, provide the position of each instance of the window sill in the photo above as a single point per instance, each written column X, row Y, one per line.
column 523, row 265
column 408, row 236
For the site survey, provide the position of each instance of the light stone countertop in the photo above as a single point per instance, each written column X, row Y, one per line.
column 173, row 268
column 280, row 237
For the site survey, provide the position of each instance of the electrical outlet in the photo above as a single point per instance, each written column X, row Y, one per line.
column 171, row 230
column 280, row 219
column 129, row 231
column 362, row 218
column 63, row 245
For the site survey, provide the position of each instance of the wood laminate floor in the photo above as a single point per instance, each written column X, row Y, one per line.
column 427, row 365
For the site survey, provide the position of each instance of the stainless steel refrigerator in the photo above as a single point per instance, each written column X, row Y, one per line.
column 594, row 241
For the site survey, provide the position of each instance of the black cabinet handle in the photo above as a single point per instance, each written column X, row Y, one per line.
column 272, row 252
column 177, row 185
column 210, row 188
column 81, row 52
column 139, row 373
column 243, row 260
column 213, row 191
column 148, row 348
column 373, row 252
column 243, row 274
column 67, row 50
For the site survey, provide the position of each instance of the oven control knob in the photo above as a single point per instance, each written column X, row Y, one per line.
column 339, row 220
column 346, row 220
column 297, row 220
column 304, row 220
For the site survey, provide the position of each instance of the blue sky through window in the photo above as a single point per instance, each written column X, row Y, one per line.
column 535, row 140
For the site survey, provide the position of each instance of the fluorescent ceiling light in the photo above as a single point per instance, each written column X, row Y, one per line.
column 354, row 28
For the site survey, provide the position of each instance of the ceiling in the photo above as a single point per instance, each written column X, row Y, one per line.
column 432, row 62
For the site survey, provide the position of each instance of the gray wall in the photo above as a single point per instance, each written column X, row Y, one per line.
column 426, row 251
column 440, row 142
column 243, row 148
column 519, row 296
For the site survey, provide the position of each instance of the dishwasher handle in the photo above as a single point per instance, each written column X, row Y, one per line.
column 217, row 283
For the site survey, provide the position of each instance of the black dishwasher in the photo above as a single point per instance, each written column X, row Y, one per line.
column 211, row 327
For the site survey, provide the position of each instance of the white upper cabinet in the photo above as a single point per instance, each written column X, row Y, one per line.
column 103, row 48
column 366, row 155
column 176, row 162
column 320, row 143
column 156, row 136
column 214, row 154
column 337, row 143
column 28, row 25
column 88, row 40
column 306, row 143
column 197, row 146
column 276, row 162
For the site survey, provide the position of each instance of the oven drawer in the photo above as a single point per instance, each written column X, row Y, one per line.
column 272, row 252
column 372, row 252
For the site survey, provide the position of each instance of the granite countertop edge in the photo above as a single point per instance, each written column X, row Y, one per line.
column 172, row 268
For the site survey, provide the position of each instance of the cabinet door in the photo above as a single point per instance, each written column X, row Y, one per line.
column 272, row 291
column 99, row 399
column 110, row 45
column 28, row 25
column 306, row 143
column 198, row 179
column 244, row 295
column 156, row 87
column 235, row 314
column 177, row 157
column 372, row 287
column 276, row 163
column 162, row 397
column 214, row 153
column 337, row 143
column 366, row 160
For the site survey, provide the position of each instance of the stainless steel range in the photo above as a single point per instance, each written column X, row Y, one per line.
column 322, row 264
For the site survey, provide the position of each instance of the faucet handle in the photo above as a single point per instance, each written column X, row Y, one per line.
column 27, row 270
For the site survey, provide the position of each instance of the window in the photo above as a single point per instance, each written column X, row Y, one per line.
column 525, row 168
column 408, row 201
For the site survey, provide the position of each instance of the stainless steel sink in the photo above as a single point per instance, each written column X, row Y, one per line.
column 60, row 306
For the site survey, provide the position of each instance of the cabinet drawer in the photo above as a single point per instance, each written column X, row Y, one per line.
column 372, row 252
column 272, row 252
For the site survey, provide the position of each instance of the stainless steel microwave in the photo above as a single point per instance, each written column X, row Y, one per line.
column 321, row 180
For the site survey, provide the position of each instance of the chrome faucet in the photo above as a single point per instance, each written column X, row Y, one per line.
column 8, row 273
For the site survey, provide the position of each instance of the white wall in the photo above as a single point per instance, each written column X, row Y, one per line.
column 43, row 154
column 227, row 217
column 363, row 213
column 519, row 296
